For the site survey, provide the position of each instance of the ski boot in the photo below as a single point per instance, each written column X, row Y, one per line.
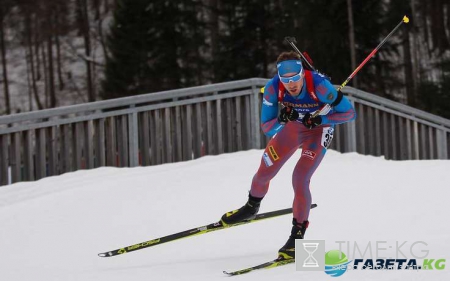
column 245, row 213
column 297, row 232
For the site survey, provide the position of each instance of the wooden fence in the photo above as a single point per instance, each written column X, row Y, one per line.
column 185, row 124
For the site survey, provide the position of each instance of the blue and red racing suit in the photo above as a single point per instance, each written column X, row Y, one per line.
column 293, row 135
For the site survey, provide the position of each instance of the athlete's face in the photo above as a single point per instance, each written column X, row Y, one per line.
column 292, row 87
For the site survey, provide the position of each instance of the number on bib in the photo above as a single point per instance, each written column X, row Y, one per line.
column 327, row 136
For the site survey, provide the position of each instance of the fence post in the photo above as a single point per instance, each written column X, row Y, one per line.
column 4, row 160
column 133, row 139
column 441, row 139
column 254, row 119
column 416, row 140
column 351, row 133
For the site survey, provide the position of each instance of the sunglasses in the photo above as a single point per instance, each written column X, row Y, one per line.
column 294, row 78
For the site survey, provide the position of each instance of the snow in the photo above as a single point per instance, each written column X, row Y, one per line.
column 54, row 228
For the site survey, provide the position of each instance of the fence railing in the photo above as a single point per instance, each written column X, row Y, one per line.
column 188, row 123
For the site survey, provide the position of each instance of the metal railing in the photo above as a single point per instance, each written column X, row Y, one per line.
column 188, row 123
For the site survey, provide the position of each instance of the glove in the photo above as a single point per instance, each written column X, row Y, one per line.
column 287, row 114
column 311, row 122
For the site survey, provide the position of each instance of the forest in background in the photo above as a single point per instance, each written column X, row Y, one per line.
column 62, row 52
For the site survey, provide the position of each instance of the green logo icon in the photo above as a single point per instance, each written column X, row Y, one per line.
column 335, row 263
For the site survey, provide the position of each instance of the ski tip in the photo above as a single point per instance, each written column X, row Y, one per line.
column 104, row 255
column 227, row 273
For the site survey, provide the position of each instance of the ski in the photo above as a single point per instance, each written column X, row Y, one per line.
column 271, row 264
column 193, row 232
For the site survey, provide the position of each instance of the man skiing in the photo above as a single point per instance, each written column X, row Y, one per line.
column 301, row 93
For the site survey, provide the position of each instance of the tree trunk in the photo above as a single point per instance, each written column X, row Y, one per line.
column 265, row 25
column 51, row 76
column 102, row 38
column 100, row 27
column 426, row 26
column 46, row 88
column 30, row 91
column 49, row 35
column 200, row 77
column 58, row 63
column 97, row 13
column 31, row 58
column 439, row 38
column 4, row 66
column 58, row 49
column 82, row 5
column 36, row 50
column 408, row 68
column 214, row 33
column 414, row 53
column 351, row 35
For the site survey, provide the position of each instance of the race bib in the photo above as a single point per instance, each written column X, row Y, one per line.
column 327, row 136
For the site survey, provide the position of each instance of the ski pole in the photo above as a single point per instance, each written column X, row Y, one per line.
column 327, row 107
column 292, row 41
column 404, row 20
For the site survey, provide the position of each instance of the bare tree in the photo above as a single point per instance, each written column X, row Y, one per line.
column 51, row 75
column 4, row 9
column 36, row 35
column 82, row 7
column 214, row 31
column 44, row 63
column 408, row 68
column 28, row 10
column 99, row 17
column 351, row 35
column 438, row 35
column 414, row 53
column 58, row 24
